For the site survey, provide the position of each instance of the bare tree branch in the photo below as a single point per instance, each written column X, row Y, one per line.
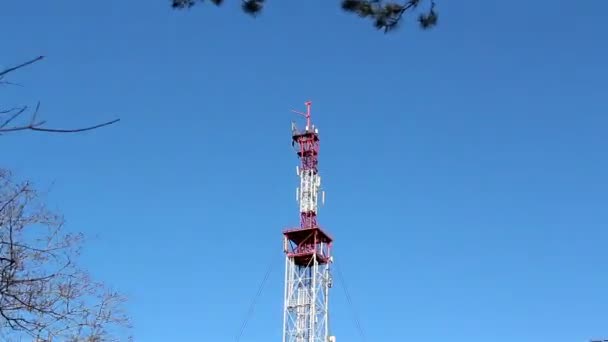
column 34, row 124
column 11, row 83
column 37, row 126
column 17, row 112
column 11, row 69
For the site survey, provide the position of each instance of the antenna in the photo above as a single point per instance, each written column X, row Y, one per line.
column 307, row 114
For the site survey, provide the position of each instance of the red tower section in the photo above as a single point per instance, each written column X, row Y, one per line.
column 309, row 239
column 308, row 152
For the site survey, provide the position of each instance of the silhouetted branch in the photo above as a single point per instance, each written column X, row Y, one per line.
column 38, row 127
column 11, row 69
column 34, row 124
column 11, row 83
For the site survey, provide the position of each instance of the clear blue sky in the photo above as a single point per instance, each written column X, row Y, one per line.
column 465, row 167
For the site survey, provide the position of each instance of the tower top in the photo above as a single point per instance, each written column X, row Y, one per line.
column 306, row 115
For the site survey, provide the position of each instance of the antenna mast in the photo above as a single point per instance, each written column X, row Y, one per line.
column 307, row 249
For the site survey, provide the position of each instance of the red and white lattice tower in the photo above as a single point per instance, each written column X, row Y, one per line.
column 308, row 250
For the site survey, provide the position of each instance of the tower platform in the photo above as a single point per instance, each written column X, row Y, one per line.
column 302, row 244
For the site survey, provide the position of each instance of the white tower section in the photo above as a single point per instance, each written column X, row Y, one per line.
column 306, row 314
column 308, row 192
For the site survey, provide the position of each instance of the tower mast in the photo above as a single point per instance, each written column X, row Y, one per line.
column 307, row 249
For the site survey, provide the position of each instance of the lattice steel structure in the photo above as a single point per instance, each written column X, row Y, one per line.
column 308, row 249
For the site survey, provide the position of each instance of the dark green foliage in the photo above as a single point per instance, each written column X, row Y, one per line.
column 181, row 4
column 253, row 7
column 386, row 15
column 429, row 19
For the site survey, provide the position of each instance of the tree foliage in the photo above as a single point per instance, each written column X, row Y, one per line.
column 386, row 15
column 43, row 293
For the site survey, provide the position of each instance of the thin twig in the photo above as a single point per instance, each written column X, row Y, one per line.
column 8, row 121
column 42, row 129
column 6, row 71
column 11, row 83
column 37, row 127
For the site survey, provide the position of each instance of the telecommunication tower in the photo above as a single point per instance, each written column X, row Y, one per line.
column 307, row 249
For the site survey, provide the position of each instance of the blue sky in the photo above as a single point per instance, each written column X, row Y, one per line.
column 465, row 167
